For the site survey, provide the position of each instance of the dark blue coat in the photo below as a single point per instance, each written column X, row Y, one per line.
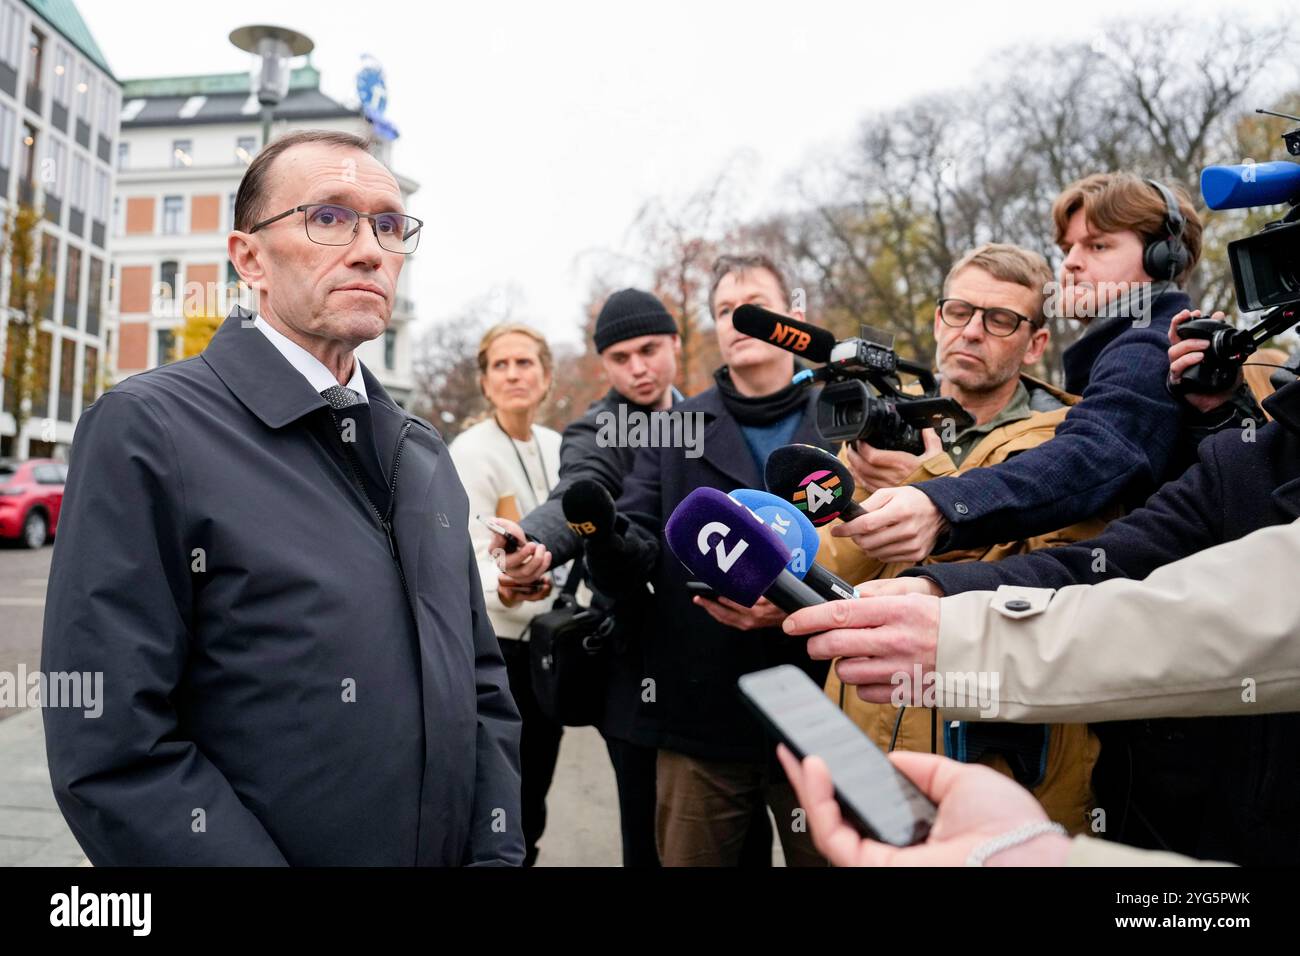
column 1116, row 446
column 693, row 661
column 218, row 563
column 1214, row 787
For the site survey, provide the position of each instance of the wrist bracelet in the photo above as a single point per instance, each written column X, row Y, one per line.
column 1006, row 841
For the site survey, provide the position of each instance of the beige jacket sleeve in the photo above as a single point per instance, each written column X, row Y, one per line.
column 1217, row 633
column 1086, row 851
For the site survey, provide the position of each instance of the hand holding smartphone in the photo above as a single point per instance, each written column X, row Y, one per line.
column 875, row 798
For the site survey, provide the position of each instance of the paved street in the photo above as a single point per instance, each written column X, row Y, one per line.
column 22, row 604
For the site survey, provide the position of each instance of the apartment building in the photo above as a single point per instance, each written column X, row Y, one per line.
column 59, row 105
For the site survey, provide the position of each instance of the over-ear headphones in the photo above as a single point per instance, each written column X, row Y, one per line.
column 1165, row 256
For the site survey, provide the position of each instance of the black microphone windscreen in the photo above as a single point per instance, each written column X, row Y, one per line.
column 811, row 479
column 589, row 508
column 802, row 339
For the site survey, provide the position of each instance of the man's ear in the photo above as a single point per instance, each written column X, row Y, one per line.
column 677, row 345
column 1037, row 345
column 245, row 255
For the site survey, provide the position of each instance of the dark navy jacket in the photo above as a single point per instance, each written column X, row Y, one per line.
column 691, row 659
column 1118, row 445
column 271, row 697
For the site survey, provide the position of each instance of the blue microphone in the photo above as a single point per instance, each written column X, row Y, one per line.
column 798, row 534
column 1250, row 184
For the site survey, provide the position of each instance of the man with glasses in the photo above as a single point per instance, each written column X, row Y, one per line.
column 989, row 327
column 269, row 563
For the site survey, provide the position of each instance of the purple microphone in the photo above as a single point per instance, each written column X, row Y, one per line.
column 729, row 548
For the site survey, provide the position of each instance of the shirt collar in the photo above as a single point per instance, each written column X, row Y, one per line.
column 309, row 365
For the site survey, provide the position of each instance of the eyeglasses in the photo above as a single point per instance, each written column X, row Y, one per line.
column 1000, row 322
column 329, row 224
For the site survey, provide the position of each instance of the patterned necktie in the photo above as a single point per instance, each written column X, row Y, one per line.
column 352, row 417
column 340, row 397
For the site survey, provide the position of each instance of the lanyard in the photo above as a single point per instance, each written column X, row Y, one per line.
column 524, row 468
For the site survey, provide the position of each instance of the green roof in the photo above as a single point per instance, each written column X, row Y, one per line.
column 211, row 84
column 63, row 16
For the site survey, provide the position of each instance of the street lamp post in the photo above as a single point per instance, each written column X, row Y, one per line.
column 273, row 47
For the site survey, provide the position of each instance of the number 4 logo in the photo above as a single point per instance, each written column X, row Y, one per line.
column 818, row 496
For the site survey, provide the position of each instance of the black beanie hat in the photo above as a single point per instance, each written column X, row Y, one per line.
column 630, row 313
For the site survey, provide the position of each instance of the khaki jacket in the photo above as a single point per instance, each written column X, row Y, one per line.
column 1072, row 750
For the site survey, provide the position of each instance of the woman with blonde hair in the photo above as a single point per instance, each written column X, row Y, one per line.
column 508, row 466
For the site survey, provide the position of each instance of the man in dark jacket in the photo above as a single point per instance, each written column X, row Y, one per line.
column 268, row 561
column 714, row 766
column 1212, row 787
column 1129, row 245
column 637, row 341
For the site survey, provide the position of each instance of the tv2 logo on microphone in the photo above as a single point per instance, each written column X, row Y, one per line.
column 724, row 558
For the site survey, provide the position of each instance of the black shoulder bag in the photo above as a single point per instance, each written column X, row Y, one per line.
column 570, row 657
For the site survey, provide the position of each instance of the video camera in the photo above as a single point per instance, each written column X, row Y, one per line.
column 863, row 398
column 1265, row 266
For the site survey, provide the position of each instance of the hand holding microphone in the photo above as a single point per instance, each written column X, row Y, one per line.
column 618, row 562
column 894, row 524
column 729, row 548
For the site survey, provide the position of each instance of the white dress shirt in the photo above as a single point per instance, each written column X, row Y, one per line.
column 312, row 369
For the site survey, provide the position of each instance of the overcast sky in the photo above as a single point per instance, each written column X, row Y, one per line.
column 538, row 130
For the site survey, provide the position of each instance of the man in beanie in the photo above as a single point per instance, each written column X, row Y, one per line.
column 639, row 348
column 716, row 776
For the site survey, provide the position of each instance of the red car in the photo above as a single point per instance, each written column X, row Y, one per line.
column 31, row 496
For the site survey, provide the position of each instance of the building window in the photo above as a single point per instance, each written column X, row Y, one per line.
column 94, row 295
column 100, row 211
column 53, row 174
column 173, row 209
column 78, row 181
column 67, row 377
column 390, row 349
column 89, row 375
column 29, row 153
column 11, row 39
column 8, row 118
column 123, row 155
column 50, row 267
column 182, row 153
column 232, row 210
column 166, row 346
column 72, row 286
column 245, row 149
column 62, row 74
column 36, row 47
column 81, row 104
column 107, row 109
column 167, row 278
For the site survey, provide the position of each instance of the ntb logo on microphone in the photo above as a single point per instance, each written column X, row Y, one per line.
column 788, row 337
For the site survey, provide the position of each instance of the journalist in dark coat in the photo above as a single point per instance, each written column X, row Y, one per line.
column 298, row 668
column 694, row 660
column 1225, row 787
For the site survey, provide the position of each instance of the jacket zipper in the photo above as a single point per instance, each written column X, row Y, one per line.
column 385, row 520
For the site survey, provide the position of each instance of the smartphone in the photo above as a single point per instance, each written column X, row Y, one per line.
column 512, row 543
column 702, row 589
column 875, row 798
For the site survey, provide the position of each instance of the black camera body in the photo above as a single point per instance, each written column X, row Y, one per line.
column 863, row 399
